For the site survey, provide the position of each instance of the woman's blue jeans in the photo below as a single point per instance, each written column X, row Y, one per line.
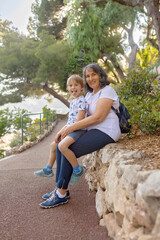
column 91, row 141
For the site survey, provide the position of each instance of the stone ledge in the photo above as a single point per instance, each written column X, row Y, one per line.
column 127, row 196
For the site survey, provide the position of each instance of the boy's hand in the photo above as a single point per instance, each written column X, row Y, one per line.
column 66, row 131
column 57, row 137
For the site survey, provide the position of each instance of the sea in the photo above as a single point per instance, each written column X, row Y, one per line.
column 33, row 105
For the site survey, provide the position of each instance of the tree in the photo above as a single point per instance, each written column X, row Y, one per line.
column 152, row 7
column 26, row 62
column 45, row 18
column 99, row 29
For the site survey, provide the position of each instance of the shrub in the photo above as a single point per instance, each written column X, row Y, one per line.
column 15, row 142
column 33, row 138
column 141, row 95
column 2, row 153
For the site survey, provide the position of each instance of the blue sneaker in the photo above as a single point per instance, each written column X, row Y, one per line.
column 75, row 178
column 53, row 201
column 44, row 173
column 48, row 195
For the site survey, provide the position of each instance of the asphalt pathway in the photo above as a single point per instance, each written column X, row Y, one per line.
column 21, row 217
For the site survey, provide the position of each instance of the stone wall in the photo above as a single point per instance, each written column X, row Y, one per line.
column 127, row 196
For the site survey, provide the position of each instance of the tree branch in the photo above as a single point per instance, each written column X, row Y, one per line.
column 122, row 2
column 47, row 89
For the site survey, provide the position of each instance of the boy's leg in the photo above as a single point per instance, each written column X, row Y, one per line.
column 47, row 170
column 52, row 154
column 64, row 149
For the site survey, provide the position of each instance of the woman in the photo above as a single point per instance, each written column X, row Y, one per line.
column 102, row 125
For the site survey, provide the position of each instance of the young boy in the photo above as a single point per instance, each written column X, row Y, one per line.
column 78, row 111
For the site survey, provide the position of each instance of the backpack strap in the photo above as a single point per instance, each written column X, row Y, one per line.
column 116, row 111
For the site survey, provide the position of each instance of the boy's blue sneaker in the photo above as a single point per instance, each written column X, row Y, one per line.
column 48, row 195
column 44, row 173
column 53, row 201
column 75, row 178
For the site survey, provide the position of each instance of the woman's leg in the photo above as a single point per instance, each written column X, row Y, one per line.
column 82, row 146
column 63, row 171
column 91, row 141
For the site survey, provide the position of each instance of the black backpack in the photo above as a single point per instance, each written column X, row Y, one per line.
column 123, row 116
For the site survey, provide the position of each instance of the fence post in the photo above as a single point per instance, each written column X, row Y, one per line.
column 22, row 130
column 47, row 120
column 40, row 123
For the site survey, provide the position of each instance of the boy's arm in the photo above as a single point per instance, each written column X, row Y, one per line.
column 81, row 115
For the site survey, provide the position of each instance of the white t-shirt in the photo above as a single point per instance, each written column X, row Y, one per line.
column 110, row 124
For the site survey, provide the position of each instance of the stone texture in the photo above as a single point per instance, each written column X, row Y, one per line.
column 100, row 202
column 127, row 197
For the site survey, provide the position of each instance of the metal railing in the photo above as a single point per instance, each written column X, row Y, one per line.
column 37, row 126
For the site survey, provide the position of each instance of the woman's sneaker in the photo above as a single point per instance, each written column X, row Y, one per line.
column 44, row 173
column 75, row 178
column 48, row 195
column 54, row 201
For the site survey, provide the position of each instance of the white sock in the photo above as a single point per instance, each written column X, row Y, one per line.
column 60, row 195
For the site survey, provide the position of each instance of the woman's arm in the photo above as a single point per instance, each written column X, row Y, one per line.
column 102, row 109
column 81, row 115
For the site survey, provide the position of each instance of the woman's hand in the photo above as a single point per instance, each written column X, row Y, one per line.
column 66, row 131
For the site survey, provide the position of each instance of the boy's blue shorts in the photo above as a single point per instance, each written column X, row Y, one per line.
column 77, row 134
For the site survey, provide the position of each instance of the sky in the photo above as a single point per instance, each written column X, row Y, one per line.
column 16, row 11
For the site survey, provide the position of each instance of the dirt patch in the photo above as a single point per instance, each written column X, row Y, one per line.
column 148, row 144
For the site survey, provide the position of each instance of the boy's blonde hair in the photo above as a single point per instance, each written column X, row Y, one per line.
column 76, row 78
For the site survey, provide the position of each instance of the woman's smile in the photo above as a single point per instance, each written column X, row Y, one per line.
column 92, row 79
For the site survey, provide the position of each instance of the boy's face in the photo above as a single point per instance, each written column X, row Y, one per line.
column 74, row 88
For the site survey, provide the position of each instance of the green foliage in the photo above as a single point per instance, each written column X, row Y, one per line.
column 2, row 153
column 141, row 94
column 16, row 119
column 33, row 138
column 15, row 142
column 26, row 63
column 5, row 121
column 47, row 112
column 147, row 56
column 32, row 130
column 77, row 61
column 11, row 118
column 45, row 18
column 98, row 29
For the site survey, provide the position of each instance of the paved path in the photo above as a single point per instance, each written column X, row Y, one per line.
column 21, row 217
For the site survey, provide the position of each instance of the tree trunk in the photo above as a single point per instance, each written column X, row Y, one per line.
column 116, row 66
column 153, row 10
column 133, row 46
column 114, row 63
column 49, row 90
column 56, row 95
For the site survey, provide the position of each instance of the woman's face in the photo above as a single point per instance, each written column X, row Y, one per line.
column 92, row 79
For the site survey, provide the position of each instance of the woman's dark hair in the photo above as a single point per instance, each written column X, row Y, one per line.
column 103, row 79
